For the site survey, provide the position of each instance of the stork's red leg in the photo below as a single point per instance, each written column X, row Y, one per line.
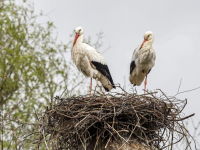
column 90, row 86
column 145, row 84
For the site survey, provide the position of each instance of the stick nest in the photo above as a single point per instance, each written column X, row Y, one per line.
column 96, row 122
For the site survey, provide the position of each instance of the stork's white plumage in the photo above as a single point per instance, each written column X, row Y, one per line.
column 90, row 62
column 143, row 60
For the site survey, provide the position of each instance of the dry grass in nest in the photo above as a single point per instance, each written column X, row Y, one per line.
column 95, row 122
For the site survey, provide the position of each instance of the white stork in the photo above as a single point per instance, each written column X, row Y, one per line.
column 90, row 62
column 143, row 60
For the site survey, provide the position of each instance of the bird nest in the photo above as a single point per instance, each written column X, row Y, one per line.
column 96, row 122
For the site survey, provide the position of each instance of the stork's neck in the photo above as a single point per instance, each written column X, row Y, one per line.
column 149, row 42
column 79, row 40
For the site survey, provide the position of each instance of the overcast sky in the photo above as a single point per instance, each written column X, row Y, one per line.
column 176, row 27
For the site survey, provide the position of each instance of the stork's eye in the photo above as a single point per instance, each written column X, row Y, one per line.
column 80, row 30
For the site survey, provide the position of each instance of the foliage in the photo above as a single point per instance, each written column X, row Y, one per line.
column 33, row 67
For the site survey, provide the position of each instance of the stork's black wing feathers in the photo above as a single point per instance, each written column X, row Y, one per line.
column 149, row 71
column 104, row 70
column 132, row 66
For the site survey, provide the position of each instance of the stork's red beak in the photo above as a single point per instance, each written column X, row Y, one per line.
column 143, row 43
column 76, row 37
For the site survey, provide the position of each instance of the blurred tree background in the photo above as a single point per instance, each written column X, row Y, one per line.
column 33, row 68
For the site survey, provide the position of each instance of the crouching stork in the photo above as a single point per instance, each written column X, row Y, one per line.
column 90, row 62
column 143, row 60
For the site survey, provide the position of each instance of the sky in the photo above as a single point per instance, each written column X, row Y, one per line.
column 176, row 28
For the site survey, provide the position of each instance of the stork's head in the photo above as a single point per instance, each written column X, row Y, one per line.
column 148, row 36
column 79, row 32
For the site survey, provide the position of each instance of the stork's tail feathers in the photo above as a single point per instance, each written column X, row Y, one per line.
column 136, row 79
column 108, row 89
column 106, row 83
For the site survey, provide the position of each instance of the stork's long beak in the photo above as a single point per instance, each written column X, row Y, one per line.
column 143, row 43
column 76, row 37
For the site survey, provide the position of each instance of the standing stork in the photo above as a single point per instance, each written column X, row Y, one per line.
column 143, row 60
column 90, row 62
